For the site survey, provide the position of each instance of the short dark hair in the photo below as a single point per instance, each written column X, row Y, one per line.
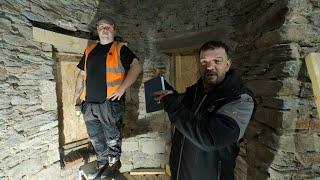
column 106, row 19
column 211, row 45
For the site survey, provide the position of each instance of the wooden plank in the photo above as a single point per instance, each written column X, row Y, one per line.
column 168, row 171
column 313, row 66
column 186, row 69
column 62, row 42
column 149, row 171
column 75, row 144
column 73, row 127
column 164, row 177
column 190, row 69
column 128, row 176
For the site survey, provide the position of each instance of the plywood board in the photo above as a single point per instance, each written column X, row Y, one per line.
column 73, row 127
column 186, row 71
column 313, row 66
column 62, row 42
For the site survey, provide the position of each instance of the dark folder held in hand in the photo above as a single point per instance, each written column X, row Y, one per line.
column 150, row 87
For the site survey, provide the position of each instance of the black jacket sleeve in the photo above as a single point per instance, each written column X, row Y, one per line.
column 214, row 132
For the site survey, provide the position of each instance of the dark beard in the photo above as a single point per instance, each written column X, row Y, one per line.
column 209, row 85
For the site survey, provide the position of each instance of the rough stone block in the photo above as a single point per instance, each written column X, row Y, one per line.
column 152, row 147
column 23, row 30
column 270, row 88
column 273, row 88
column 130, row 146
column 49, row 126
column 284, row 70
column 5, row 24
column 241, row 164
column 48, row 95
column 257, row 153
column 303, row 124
column 52, row 172
column 126, row 157
column 163, row 159
column 284, row 161
column 276, row 118
column 284, row 143
column 303, row 34
column 306, row 90
column 3, row 74
column 308, row 159
column 52, row 156
column 306, row 142
column 29, row 166
column 142, row 160
column 126, row 167
column 15, row 40
column 15, row 139
column 274, row 174
column 276, row 103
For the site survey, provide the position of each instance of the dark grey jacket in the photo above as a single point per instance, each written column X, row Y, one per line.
column 208, row 129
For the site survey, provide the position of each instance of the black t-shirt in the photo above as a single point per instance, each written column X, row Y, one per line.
column 96, row 70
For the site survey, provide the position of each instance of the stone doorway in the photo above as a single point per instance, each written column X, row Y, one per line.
column 73, row 134
column 67, row 52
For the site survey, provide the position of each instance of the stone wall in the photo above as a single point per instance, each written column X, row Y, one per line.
column 28, row 109
column 283, row 141
column 269, row 40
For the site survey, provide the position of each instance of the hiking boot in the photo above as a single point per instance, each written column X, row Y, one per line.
column 112, row 170
column 97, row 172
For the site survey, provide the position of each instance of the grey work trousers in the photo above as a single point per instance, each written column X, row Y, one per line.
column 103, row 123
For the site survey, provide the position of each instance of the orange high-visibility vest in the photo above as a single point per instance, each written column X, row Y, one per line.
column 115, row 72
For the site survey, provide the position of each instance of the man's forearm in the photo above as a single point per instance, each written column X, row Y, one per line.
column 79, row 87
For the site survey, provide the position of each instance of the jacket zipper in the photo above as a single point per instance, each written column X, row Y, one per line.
column 219, row 170
column 183, row 139
column 182, row 143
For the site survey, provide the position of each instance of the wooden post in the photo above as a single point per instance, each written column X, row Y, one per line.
column 313, row 66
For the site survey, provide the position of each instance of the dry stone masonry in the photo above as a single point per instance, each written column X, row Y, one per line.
column 269, row 41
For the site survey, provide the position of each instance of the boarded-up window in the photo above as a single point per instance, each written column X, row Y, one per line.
column 186, row 70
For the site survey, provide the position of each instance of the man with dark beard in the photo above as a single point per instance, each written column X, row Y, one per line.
column 209, row 119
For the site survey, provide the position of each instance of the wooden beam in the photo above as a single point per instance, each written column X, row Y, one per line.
column 75, row 144
column 149, row 171
column 62, row 42
column 313, row 66
column 168, row 171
